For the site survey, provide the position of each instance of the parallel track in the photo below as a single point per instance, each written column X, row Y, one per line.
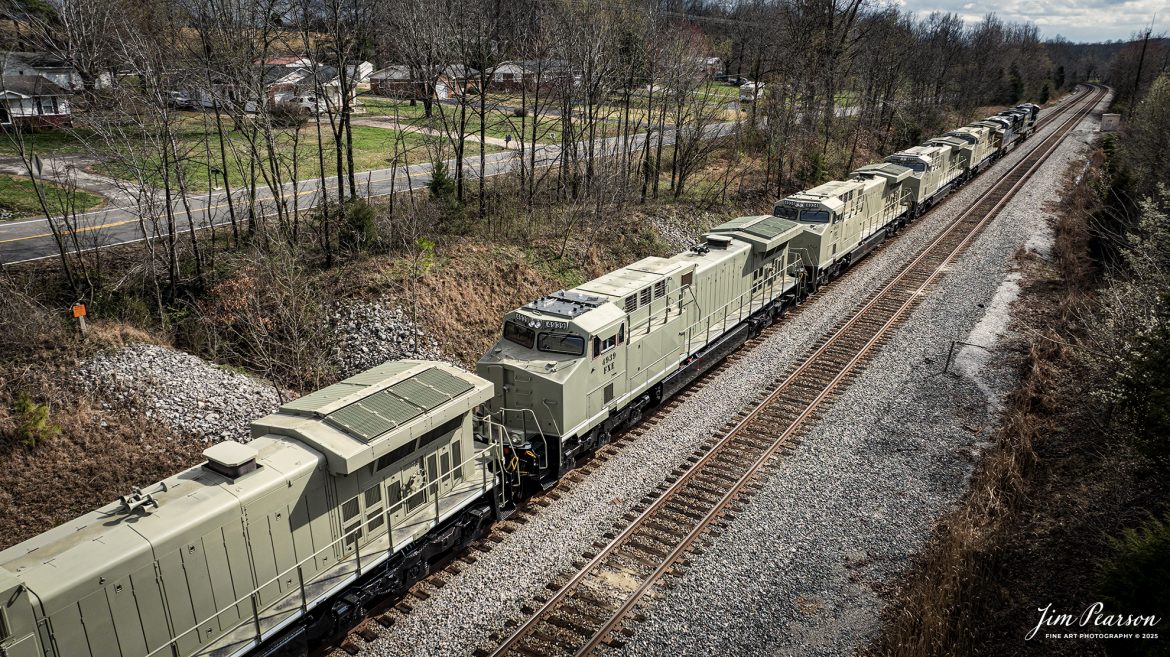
column 594, row 604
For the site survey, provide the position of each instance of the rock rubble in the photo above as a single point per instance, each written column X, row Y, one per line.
column 368, row 334
column 185, row 392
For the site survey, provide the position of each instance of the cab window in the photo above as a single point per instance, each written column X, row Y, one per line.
column 521, row 335
column 815, row 216
column 601, row 346
column 561, row 343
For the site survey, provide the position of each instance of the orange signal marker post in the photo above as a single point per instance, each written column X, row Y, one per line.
column 78, row 310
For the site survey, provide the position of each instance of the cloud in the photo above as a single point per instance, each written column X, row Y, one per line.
column 1076, row 20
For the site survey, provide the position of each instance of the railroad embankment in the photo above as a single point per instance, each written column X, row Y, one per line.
column 1063, row 510
column 810, row 564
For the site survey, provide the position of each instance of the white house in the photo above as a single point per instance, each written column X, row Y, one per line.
column 35, row 90
column 48, row 66
column 33, row 101
column 359, row 73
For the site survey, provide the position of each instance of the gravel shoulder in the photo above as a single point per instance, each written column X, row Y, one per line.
column 855, row 497
column 212, row 403
column 180, row 390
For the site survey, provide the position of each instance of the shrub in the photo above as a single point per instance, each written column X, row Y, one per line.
column 442, row 185
column 289, row 115
column 33, row 425
column 519, row 111
column 359, row 226
column 270, row 317
column 1135, row 579
column 1145, row 384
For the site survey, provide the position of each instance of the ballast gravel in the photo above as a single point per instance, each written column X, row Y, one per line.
column 211, row 403
column 795, row 572
column 193, row 396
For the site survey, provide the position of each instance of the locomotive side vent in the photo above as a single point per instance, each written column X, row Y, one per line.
column 230, row 459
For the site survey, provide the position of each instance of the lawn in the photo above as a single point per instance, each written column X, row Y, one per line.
column 500, row 122
column 18, row 198
column 720, row 90
column 373, row 149
column 49, row 142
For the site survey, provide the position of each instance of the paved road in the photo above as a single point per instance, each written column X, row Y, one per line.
column 119, row 223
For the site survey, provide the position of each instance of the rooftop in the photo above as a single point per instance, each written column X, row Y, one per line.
column 367, row 415
column 14, row 58
column 31, row 86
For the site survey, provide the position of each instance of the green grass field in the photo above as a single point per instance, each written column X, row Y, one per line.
column 50, row 142
column 500, row 122
column 18, row 196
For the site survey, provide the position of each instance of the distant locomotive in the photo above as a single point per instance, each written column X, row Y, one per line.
column 573, row 367
column 352, row 492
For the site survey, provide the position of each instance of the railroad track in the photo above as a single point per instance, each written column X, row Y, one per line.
column 594, row 605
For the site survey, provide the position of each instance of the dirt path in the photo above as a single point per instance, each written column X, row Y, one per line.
column 75, row 168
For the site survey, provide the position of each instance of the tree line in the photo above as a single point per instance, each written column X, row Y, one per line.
column 618, row 105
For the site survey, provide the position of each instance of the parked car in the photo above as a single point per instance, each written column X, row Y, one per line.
column 310, row 103
column 179, row 100
column 750, row 91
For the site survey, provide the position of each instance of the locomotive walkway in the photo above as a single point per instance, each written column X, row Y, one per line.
column 25, row 241
column 593, row 605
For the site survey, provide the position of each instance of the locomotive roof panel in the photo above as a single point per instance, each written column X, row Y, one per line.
column 565, row 303
column 892, row 170
column 363, row 417
column 656, row 265
column 340, row 394
column 979, row 132
column 821, row 196
column 764, row 231
column 928, row 151
column 953, row 142
column 620, row 282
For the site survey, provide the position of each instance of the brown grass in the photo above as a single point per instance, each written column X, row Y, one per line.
column 98, row 455
column 95, row 455
column 464, row 295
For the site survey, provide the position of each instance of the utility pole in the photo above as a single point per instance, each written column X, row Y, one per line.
column 1137, row 83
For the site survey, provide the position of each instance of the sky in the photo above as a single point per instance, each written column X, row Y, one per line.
column 1075, row 20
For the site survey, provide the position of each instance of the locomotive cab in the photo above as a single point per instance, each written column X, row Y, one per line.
column 1033, row 111
column 573, row 367
column 555, row 365
column 978, row 139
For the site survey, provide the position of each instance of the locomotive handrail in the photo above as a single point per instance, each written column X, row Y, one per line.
column 253, row 596
column 535, row 421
